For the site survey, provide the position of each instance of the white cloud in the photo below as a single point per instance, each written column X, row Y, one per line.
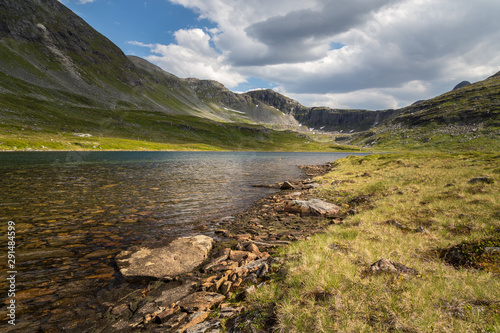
column 192, row 56
column 372, row 99
column 390, row 46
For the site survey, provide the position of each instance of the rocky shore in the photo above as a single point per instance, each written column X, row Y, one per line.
column 200, row 283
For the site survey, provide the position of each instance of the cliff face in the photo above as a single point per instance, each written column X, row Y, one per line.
column 278, row 101
column 326, row 119
column 344, row 120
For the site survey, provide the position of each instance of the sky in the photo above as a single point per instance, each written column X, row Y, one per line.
column 356, row 54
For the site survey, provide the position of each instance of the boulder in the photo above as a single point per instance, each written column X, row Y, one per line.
column 287, row 186
column 312, row 207
column 383, row 265
column 253, row 266
column 240, row 255
column 226, row 287
column 170, row 296
column 158, row 262
column 389, row 266
column 212, row 326
column 253, row 248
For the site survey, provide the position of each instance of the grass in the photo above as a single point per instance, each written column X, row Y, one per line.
column 38, row 125
column 387, row 197
column 249, row 139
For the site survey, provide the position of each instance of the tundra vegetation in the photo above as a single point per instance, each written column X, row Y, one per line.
column 435, row 215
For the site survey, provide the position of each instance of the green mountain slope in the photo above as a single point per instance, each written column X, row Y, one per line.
column 63, row 85
column 58, row 77
column 467, row 118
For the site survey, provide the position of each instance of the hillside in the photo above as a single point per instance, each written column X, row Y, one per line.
column 63, row 85
column 58, row 76
column 467, row 118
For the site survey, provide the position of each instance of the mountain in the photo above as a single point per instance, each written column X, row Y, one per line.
column 63, row 85
column 47, row 46
column 59, row 75
column 323, row 118
column 465, row 118
column 468, row 117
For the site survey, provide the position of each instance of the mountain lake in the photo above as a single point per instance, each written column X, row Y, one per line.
column 73, row 212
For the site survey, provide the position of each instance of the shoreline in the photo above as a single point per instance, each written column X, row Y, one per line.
column 390, row 254
column 360, row 151
column 250, row 276
column 210, row 228
column 256, row 234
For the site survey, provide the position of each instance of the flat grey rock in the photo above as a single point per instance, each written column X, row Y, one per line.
column 180, row 256
column 312, row 207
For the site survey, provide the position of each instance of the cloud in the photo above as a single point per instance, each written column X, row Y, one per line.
column 372, row 99
column 388, row 46
column 192, row 56
column 305, row 35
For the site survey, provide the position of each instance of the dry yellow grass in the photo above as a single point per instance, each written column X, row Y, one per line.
column 389, row 197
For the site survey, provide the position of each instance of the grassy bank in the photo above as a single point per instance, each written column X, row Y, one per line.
column 419, row 210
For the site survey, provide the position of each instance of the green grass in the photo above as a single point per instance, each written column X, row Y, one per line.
column 330, row 290
column 54, row 128
column 424, row 139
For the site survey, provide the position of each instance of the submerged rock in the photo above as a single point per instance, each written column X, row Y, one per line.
column 180, row 256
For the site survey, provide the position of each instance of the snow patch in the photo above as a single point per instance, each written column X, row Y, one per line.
column 240, row 112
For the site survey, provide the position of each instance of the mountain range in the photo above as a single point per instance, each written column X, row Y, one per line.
column 61, row 81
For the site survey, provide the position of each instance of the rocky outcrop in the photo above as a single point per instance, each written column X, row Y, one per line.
column 322, row 118
column 187, row 307
column 180, row 256
column 278, row 101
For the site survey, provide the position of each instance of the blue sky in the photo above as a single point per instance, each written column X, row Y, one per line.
column 151, row 21
column 370, row 54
